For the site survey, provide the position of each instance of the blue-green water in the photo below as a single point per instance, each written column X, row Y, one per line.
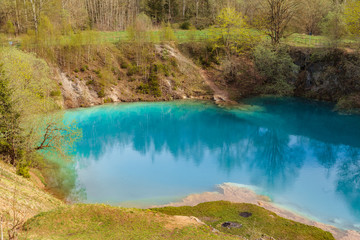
column 301, row 154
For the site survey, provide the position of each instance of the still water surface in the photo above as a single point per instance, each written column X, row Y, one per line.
column 301, row 154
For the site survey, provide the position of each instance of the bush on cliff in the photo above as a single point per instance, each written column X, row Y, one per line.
column 276, row 66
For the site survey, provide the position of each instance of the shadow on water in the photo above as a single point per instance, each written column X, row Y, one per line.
column 273, row 144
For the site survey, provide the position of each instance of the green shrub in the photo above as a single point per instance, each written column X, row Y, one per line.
column 56, row 93
column 23, row 168
column 132, row 70
column 277, row 67
column 185, row 25
column 143, row 88
column 108, row 100
column 154, row 85
column 101, row 93
column 90, row 82
column 349, row 103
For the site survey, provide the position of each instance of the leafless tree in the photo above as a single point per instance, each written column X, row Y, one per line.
column 278, row 14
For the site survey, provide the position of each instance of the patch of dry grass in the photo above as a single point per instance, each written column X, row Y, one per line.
column 21, row 198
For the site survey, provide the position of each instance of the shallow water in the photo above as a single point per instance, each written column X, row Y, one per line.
column 301, row 154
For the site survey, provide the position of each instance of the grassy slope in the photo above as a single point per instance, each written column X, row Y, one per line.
column 261, row 222
column 105, row 222
column 22, row 196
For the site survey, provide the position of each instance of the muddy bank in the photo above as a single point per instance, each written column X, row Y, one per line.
column 238, row 194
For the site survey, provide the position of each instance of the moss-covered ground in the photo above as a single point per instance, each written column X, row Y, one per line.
column 261, row 222
column 106, row 222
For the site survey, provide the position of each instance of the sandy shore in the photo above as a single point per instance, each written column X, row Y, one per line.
column 237, row 194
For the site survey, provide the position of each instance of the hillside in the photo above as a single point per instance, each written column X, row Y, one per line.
column 21, row 199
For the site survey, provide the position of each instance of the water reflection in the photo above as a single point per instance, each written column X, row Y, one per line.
column 349, row 180
column 184, row 147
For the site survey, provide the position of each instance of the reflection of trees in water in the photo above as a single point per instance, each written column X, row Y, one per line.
column 185, row 134
column 349, row 180
column 190, row 134
column 276, row 162
column 325, row 153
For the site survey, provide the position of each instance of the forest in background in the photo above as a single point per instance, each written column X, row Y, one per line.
column 301, row 16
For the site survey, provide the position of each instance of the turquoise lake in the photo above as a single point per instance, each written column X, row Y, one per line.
column 301, row 154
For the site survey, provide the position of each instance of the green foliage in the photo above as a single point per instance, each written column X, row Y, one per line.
column 29, row 79
column 29, row 124
column 55, row 93
column 143, row 88
column 185, row 25
column 262, row 222
column 101, row 93
column 153, row 82
column 352, row 17
column 333, row 25
column 108, row 100
column 10, row 131
column 231, row 33
column 201, row 52
column 23, row 168
column 349, row 104
column 90, row 82
column 167, row 33
column 277, row 67
column 152, row 86
column 10, row 27
column 132, row 70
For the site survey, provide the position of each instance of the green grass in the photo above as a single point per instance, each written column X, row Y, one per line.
column 183, row 36
column 261, row 222
column 106, row 222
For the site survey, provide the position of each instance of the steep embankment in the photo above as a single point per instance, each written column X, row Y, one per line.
column 329, row 75
column 122, row 78
column 323, row 74
column 20, row 198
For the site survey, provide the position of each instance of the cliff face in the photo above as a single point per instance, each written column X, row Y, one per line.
column 329, row 75
column 172, row 75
